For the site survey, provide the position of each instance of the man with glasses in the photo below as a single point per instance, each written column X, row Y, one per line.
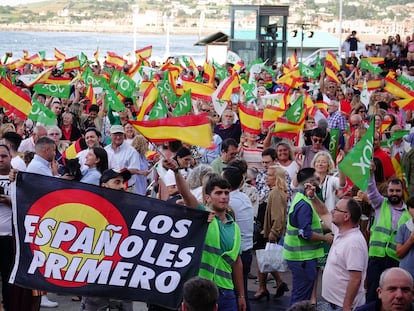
column 346, row 265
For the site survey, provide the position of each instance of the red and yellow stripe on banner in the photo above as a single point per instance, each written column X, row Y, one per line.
column 284, row 128
column 250, row 119
column 193, row 130
column 14, row 99
column 271, row 114
column 198, row 90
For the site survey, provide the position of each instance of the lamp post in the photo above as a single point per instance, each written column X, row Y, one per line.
column 340, row 27
column 135, row 9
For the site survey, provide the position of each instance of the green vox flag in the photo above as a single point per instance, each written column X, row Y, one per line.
column 42, row 54
column 83, row 59
column 89, row 78
column 294, row 113
column 398, row 134
column 308, row 72
column 166, row 90
column 159, row 110
column 221, row 72
column 248, row 89
column 113, row 81
column 333, row 143
column 55, row 90
column 365, row 64
column 112, row 100
column 356, row 164
column 184, row 105
column 126, row 86
column 406, row 82
column 40, row 113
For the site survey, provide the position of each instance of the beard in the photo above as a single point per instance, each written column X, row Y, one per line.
column 395, row 199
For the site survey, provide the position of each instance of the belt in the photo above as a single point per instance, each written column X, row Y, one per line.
column 334, row 306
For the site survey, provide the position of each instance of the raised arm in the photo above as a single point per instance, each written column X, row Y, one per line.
column 182, row 186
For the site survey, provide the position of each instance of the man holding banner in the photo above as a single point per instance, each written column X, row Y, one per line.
column 116, row 180
column 220, row 261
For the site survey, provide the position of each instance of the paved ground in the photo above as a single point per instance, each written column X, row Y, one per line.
column 66, row 304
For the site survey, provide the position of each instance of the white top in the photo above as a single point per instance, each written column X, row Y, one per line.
column 243, row 212
column 27, row 144
column 349, row 252
column 39, row 166
column 123, row 157
column 18, row 163
column 5, row 210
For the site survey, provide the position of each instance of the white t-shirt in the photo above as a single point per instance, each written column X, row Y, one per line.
column 5, row 210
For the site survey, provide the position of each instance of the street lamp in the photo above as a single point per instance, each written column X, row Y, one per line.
column 135, row 10
column 309, row 34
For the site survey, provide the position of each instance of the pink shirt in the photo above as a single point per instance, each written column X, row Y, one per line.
column 349, row 252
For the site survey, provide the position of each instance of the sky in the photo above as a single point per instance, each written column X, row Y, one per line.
column 17, row 2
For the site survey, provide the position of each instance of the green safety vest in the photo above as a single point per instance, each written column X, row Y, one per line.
column 297, row 248
column 217, row 265
column 382, row 239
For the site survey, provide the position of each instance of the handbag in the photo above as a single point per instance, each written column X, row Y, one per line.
column 271, row 258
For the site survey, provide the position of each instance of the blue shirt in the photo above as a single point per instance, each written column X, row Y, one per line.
column 39, row 166
column 91, row 176
column 301, row 218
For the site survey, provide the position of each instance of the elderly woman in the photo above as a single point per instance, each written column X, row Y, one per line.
column 55, row 134
column 70, row 131
column 195, row 180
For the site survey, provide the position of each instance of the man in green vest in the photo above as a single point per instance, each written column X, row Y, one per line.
column 390, row 213
column 304, row 237
column 220, row 260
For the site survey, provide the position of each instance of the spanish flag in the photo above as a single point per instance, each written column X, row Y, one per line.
column 250, row 119
column 115, row 60
column 59, row 55
column 209, row 73
column 371, row 84
column 58, row 80
column 198, row 90
column 49, row 62
column 90, row 94
column 74, row 149
column 331, row 61
column 149, row 93
column 375, row 60
column 271, row 114
column 71, row 64
column 285, row 129
column 96, row 54
column 291, row 79
column 193, row 130
column 331, row 75
column 228, row 86
column 397, row 89
column 14, row 99
column 144, row 53
column 34, row 60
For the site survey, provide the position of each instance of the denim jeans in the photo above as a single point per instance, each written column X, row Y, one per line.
column 227, row 300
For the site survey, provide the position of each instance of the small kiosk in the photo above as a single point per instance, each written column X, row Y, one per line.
column 259, row 31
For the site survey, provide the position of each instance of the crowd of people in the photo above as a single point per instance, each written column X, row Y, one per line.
column 259, row 187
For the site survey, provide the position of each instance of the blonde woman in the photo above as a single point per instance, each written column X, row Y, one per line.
column 274, row 225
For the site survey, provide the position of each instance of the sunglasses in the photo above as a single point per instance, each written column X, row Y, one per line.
column 317, row 140
column 355, row 125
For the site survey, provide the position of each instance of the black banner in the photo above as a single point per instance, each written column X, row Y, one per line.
column 90, row 241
